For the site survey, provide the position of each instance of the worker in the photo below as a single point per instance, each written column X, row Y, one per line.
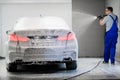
column 111, row 35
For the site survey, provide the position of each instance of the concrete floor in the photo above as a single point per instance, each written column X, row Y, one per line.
column 58, row 71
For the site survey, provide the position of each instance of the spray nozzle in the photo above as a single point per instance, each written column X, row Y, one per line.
column 101, row 16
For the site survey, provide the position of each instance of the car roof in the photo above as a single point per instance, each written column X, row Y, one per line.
column 34, row 23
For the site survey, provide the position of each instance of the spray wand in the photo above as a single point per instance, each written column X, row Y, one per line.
column 101, row 16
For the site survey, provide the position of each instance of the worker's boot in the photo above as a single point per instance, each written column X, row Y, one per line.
column 113, row 63
column 105, row 62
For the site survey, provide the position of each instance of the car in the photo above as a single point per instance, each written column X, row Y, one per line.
column 41, row 40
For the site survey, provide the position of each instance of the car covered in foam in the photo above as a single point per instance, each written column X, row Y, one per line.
column 41, row 40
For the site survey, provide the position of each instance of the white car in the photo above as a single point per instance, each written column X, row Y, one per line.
column 42, row 40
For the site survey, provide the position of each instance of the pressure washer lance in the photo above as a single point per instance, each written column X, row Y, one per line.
column 101, row 16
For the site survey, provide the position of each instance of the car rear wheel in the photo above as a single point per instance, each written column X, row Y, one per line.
column 71, row 65
column 11, row 67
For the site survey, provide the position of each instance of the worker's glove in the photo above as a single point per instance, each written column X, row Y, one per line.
column 101, row 17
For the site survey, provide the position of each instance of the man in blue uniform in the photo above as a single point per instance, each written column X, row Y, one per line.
column 111, row 23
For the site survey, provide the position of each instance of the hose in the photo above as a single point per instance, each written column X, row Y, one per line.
column 67, row 40
column 85, row 71
column 18, row 46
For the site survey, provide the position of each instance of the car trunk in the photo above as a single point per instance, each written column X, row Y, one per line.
column 43, row 38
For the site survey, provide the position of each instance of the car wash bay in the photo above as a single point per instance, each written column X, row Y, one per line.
column 79, row 15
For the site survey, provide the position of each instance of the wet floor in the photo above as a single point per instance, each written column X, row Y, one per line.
column 59, row 72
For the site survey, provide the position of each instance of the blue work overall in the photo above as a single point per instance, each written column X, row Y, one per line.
column 111, row 41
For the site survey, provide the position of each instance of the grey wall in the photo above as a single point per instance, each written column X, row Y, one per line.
column 89, row 34
column 0, row 30
column 116, row 6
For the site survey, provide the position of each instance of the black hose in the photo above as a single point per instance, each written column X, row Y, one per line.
column 85, row 71
column 18, row 45
column 67, row 40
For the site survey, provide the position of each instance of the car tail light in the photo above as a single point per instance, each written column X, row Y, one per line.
column 71, row 36
column 15, row 38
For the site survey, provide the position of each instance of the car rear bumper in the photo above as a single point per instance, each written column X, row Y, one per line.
column 44, row 55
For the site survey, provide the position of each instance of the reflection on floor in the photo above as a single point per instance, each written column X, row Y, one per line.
column 58, row 71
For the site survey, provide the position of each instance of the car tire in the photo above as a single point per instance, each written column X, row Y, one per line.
column 12, row 67
column 71, row 65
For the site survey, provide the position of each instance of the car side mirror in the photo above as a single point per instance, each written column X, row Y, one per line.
column 9, row 32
